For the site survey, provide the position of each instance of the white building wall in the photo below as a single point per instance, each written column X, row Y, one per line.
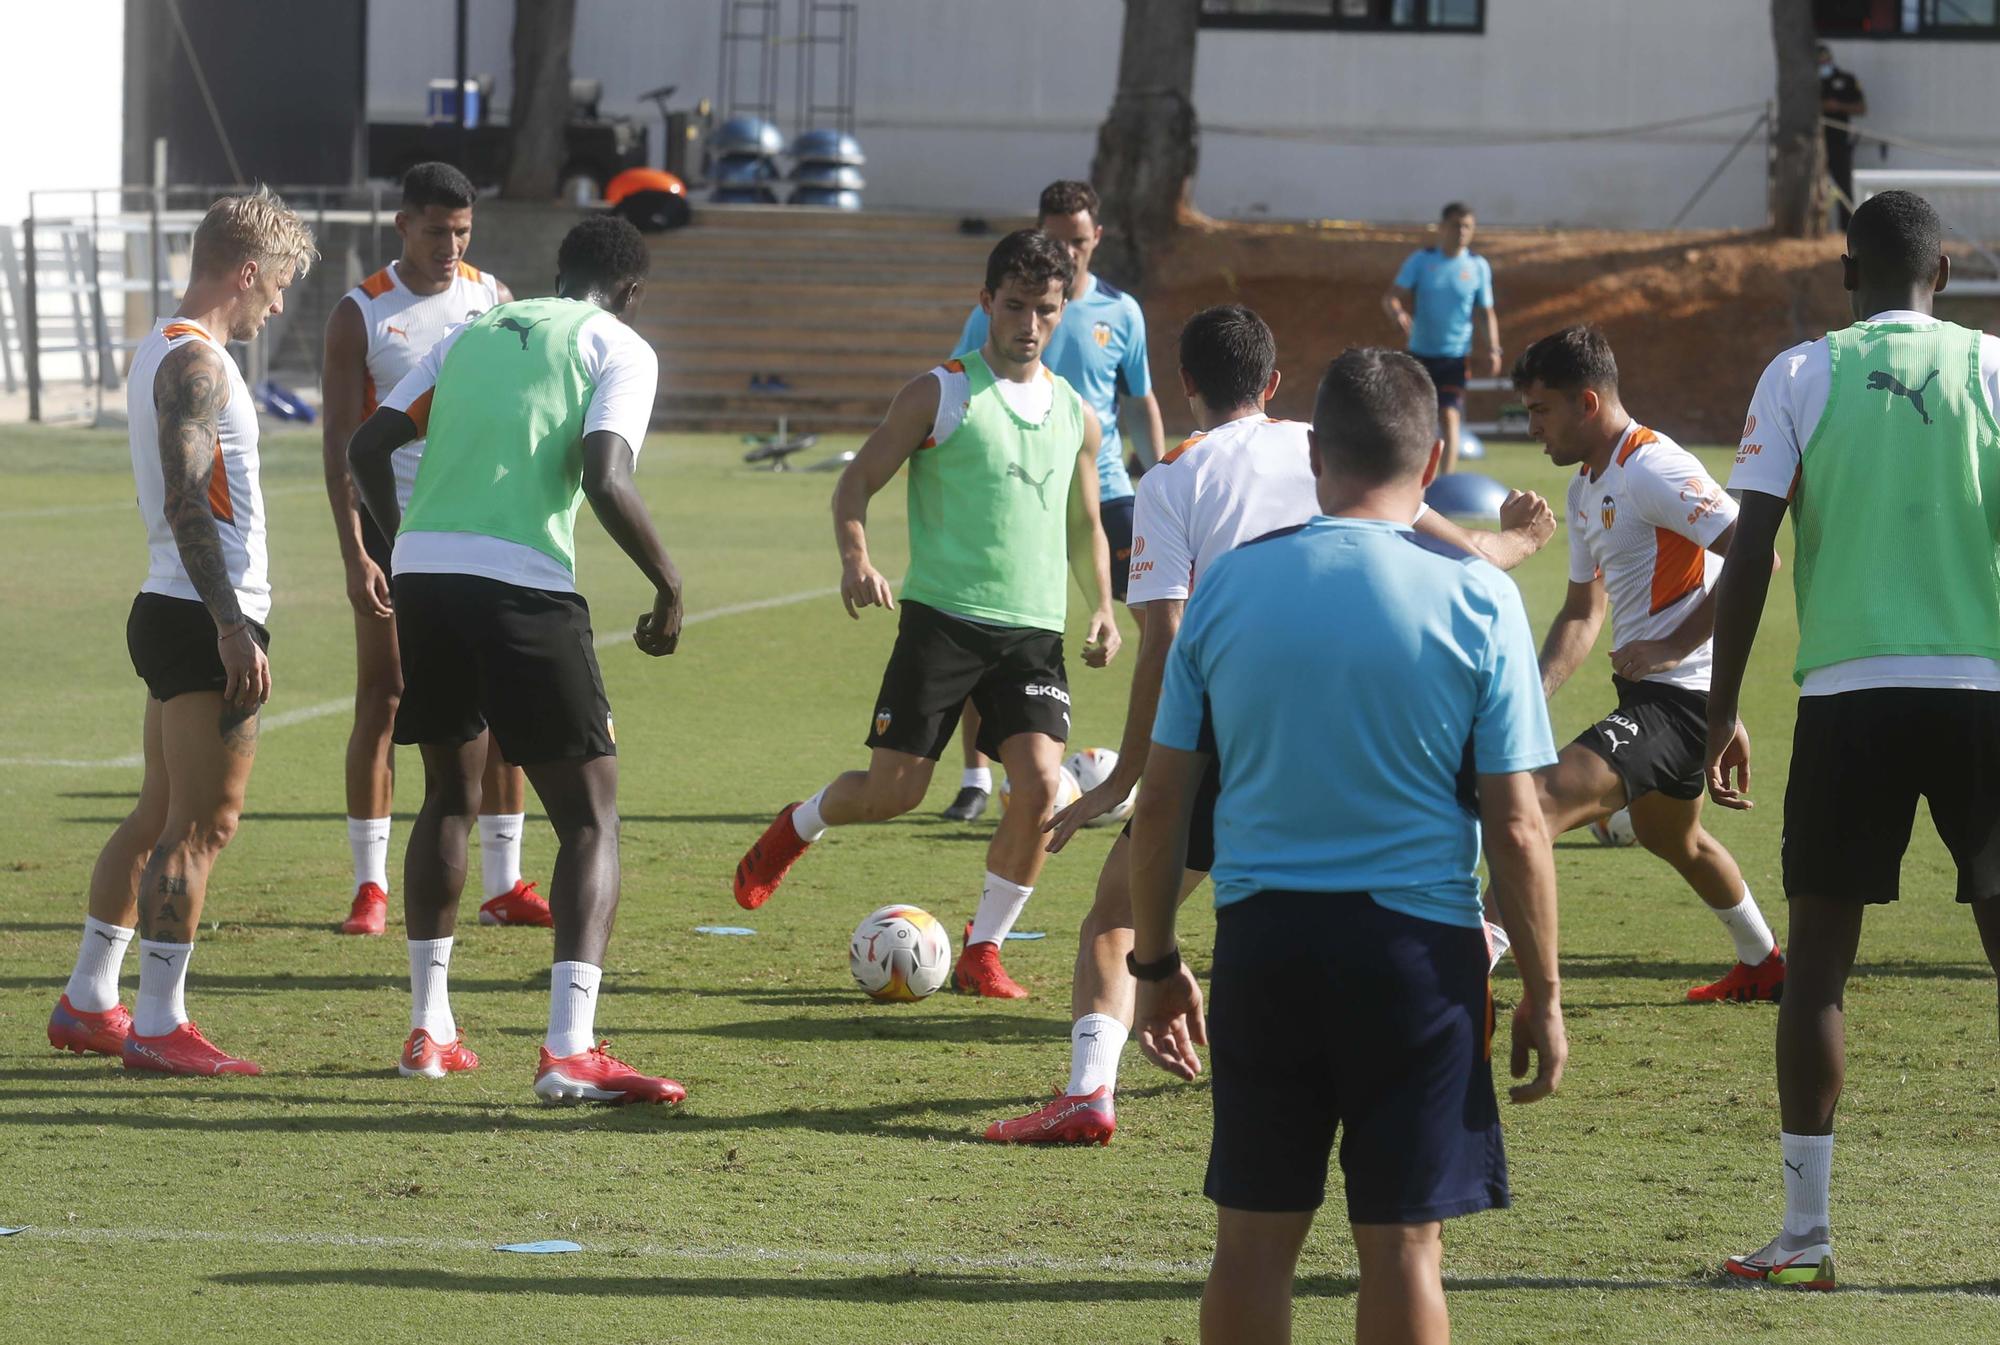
column 971, row 106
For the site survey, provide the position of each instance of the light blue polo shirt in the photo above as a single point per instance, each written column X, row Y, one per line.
column 1353, row 677
column 1100, row 347
column 1447, row 289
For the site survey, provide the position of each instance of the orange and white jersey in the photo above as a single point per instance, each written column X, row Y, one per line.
column 1219, row 489
column 1645, row 526
column 402, row 327
column 234, row 495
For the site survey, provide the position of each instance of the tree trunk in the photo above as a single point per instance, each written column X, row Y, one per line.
column 1798, row 166
column 1147, row 146
column 543, row 33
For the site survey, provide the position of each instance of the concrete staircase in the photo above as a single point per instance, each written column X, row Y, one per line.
column 844, row 306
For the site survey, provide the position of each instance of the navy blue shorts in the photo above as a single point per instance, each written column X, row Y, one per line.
column 1331, row 1013
column 1117, row 517
column 1448, row 372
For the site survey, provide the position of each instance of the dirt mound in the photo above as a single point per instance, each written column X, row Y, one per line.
column 1694, row 317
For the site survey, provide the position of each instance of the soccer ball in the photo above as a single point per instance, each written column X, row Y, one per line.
column 1067, row 790
column 899, row 954
column 1615, row 829
column 1092, row 767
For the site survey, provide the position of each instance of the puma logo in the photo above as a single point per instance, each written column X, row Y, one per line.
column 1797, row 1170
column 1015, row 470
column 167, row 958
column 437, row 962
column 103, row 935
column 1092, row 1035
column 395, row 330
column 578, row 985
column 519, row 328
column 1881, row 380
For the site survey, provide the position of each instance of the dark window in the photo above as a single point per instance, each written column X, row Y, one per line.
column 1378, row 16
column 1978, row 19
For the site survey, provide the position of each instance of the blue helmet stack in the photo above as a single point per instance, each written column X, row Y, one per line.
column 827, row 170
column 744, row 165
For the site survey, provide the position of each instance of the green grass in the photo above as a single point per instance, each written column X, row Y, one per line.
column 822, row 1182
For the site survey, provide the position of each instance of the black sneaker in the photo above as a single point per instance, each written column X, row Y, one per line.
column 969, row 804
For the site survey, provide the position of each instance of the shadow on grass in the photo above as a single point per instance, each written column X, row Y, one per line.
column 1600, row 966
column 868, row 1025
column 274, row 981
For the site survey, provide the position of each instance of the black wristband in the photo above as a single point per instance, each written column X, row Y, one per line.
column 1154, row 971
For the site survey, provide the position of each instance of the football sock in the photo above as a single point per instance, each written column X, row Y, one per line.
column 500, row 852
column 572, row 1007
column 93, row 986
column 1000, row 906
column 1808, row 1173
column 977, row 777
column 1095, row 1041
column 806, row 819
column 368, row 838
column 1746, row 926
column 430, row 1001
column 162, row 1006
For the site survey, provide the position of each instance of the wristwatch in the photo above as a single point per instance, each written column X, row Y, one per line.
column 1154, row 971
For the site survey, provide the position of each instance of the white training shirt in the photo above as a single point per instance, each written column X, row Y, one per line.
column 402, row 327
column 234, row 496
column 1217, row 490
column 1645, row 526
column 624, row 374
column 1031, row 401
column 1784, row 413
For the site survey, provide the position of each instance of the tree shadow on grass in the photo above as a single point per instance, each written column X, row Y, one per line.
column 868, row 1025
column 1603, row 966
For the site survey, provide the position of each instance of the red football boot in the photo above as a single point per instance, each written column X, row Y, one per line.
column 765, row 864
column 1068, row 1120
column 78, row 1030
column 370, row 914
column 979, row 973
column 598, row 1076
column 1745, row 983
column 518, row 905
column 425, row 1056
column 183, row 1051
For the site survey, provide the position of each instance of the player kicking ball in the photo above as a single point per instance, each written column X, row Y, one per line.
column 375, row 336
column 530, row 409
column 1241, row 476
column 1002, row 459
column 1648, row 527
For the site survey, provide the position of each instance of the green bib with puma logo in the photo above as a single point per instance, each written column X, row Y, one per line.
column 989, row 510
column 1897, row 508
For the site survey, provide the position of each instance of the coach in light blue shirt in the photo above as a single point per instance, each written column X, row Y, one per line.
column 1373, row 700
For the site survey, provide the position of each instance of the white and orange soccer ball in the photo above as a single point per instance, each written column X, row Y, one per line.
column 1615, row 829
column 1067, row 790
column 1092, row 767
column 899, row 954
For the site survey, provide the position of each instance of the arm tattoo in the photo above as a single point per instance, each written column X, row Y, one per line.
column 189, row 393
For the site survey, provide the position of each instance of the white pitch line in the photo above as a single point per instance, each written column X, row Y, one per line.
column 306, row 713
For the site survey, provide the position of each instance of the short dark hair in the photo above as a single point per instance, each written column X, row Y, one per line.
column 1228, row 353
column 1569, row 361
column 1031, row 257
column 435, row 183
column 1453, row 209
column 1895, row 237
column 1375, row 415
column 602, row 250
column 1067, row 197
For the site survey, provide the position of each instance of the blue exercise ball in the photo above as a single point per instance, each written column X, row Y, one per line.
column 743, row 170
column 1470, row 445
column 746, row 135
column 828, row 146
column 1466, row 495
column 829, row 177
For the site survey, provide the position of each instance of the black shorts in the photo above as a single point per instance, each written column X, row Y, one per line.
column 1448, row 373
column 377, row 547
column 173, row 646
column 1859, row 761
column 1657, row 739
column 1201, row 825
column 477, row 652
column 1014, row 675
column 1331, row 1013
column 1117, row 517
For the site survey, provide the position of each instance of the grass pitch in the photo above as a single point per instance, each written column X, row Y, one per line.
column 824, row 1182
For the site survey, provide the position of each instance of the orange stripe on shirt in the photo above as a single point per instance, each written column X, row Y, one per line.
column 420, row 412
column 1180, row 448
column 1678, row 568
column 954, row 366
column 174, row 331
column 378, row 284
column 219, row 502
column 470, row 272
column 1639, row 438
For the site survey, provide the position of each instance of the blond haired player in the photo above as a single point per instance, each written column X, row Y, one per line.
column 376, row 335
column 196, row 636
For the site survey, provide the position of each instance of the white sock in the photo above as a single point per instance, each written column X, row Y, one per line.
column 977, row 777
column 93, row 986
column 368, row 838
column 1808, row 1173
column 1000, row 906
column 1095, row 1041
column 162, row 1003
column 500, row 852
column 430, row 1001
column 572, row 1007
column 806, row 819
column 1746, row 926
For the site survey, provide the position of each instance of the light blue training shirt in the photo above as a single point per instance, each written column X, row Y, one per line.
column 1447, row 289
column 1353, row 677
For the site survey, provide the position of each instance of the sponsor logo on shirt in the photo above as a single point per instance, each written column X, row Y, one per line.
column 1044, row 689
column 1749, row 428
column 1748, row 451
column 1700, row 499
column 1138, row 547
